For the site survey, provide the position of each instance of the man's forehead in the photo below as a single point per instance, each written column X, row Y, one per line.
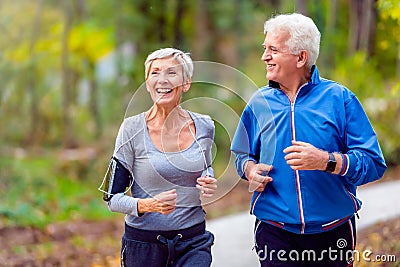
column 276, row 37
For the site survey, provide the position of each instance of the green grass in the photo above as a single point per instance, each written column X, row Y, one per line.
column 36, row 191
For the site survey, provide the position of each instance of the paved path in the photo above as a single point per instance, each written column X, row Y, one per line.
column 234, row 237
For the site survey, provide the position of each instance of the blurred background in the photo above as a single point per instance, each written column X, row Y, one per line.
column 69, row 68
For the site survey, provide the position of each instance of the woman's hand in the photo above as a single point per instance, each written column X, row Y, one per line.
column 207, row 185
column 164, row 203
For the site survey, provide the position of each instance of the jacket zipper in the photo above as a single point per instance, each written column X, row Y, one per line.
column 296, row 172
column 254, row 203
column 298, row 187
column 355, row 202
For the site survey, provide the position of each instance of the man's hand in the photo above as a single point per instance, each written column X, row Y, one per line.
column 255, row 173
column 207, row 185
column 304, row 156
column 164, row 203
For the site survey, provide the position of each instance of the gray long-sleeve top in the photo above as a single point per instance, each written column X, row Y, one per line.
column 155, row 171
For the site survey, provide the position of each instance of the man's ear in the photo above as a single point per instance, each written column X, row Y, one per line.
column 302, row 58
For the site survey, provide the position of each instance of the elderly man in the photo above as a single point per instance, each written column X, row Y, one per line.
column 304, row 143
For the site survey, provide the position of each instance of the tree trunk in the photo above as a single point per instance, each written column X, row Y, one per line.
column 372, row 27
column 239, row 26
column 93, row 105
column 178, row 36
column 302, row 7
column 34, row 112
column 200, row 48
column 91, row 66
column 330, row 30
column 362, row 25
column 68, row 138
column 398, row 62
column 119, row 38
column 160, row 18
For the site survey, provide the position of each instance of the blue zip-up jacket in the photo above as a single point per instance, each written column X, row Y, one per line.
column 326, row 115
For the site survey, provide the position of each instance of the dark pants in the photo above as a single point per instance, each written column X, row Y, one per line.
column 278, row 247
column 187, row 247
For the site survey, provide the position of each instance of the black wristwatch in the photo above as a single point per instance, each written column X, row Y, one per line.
column 331, row 165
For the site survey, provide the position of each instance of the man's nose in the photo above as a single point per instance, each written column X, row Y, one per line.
column 266, row 55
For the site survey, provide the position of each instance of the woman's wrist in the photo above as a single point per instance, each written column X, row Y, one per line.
column 144, row 205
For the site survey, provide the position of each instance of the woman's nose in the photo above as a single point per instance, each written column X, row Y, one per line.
column 162, row 77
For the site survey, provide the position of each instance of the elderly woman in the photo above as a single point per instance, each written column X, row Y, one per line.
column 164, row 157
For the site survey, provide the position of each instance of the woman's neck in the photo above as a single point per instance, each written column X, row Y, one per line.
column 167, row 118
column 170, row 130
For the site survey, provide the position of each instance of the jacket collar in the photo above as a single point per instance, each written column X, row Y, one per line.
column 315, row 78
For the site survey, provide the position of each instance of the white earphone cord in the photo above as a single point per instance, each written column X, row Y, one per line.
column 202, row 152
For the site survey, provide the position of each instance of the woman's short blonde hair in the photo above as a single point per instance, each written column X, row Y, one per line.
column 183, row 58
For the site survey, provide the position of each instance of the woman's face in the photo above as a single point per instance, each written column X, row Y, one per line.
column 165, row 82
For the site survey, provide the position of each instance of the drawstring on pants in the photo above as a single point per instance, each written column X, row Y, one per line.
column 170, row 245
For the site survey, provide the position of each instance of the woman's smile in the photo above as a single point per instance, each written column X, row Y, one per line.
column 163, row 90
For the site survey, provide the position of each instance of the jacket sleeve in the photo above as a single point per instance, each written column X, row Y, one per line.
column 246, row 141
column 363, row 161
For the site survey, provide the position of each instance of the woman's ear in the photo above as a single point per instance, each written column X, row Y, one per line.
column 302, row 58
column 147, row 87
column 186, row 85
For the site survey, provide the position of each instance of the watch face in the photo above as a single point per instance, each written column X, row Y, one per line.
column 330, row 167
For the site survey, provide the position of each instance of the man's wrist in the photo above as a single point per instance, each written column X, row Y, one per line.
column 338, row 158
column 331, row 163
column 246, row 166
column 344, row 164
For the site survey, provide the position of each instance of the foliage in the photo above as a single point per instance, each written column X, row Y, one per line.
column 119, row 34
column 384, row 111
column 358, row 73
column 388, row 38
column 88, row 40
column 380, row 244
column 39, row 190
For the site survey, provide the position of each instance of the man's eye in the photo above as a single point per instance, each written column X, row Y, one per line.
column 154, row 73
column 172, row 73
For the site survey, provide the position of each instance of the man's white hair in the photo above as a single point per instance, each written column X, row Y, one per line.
column 183, row 58
column 304, row 34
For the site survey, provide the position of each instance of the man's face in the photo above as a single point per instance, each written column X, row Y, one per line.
column 281, row 64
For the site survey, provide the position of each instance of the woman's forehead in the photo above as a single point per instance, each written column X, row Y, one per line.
column 165, row 63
